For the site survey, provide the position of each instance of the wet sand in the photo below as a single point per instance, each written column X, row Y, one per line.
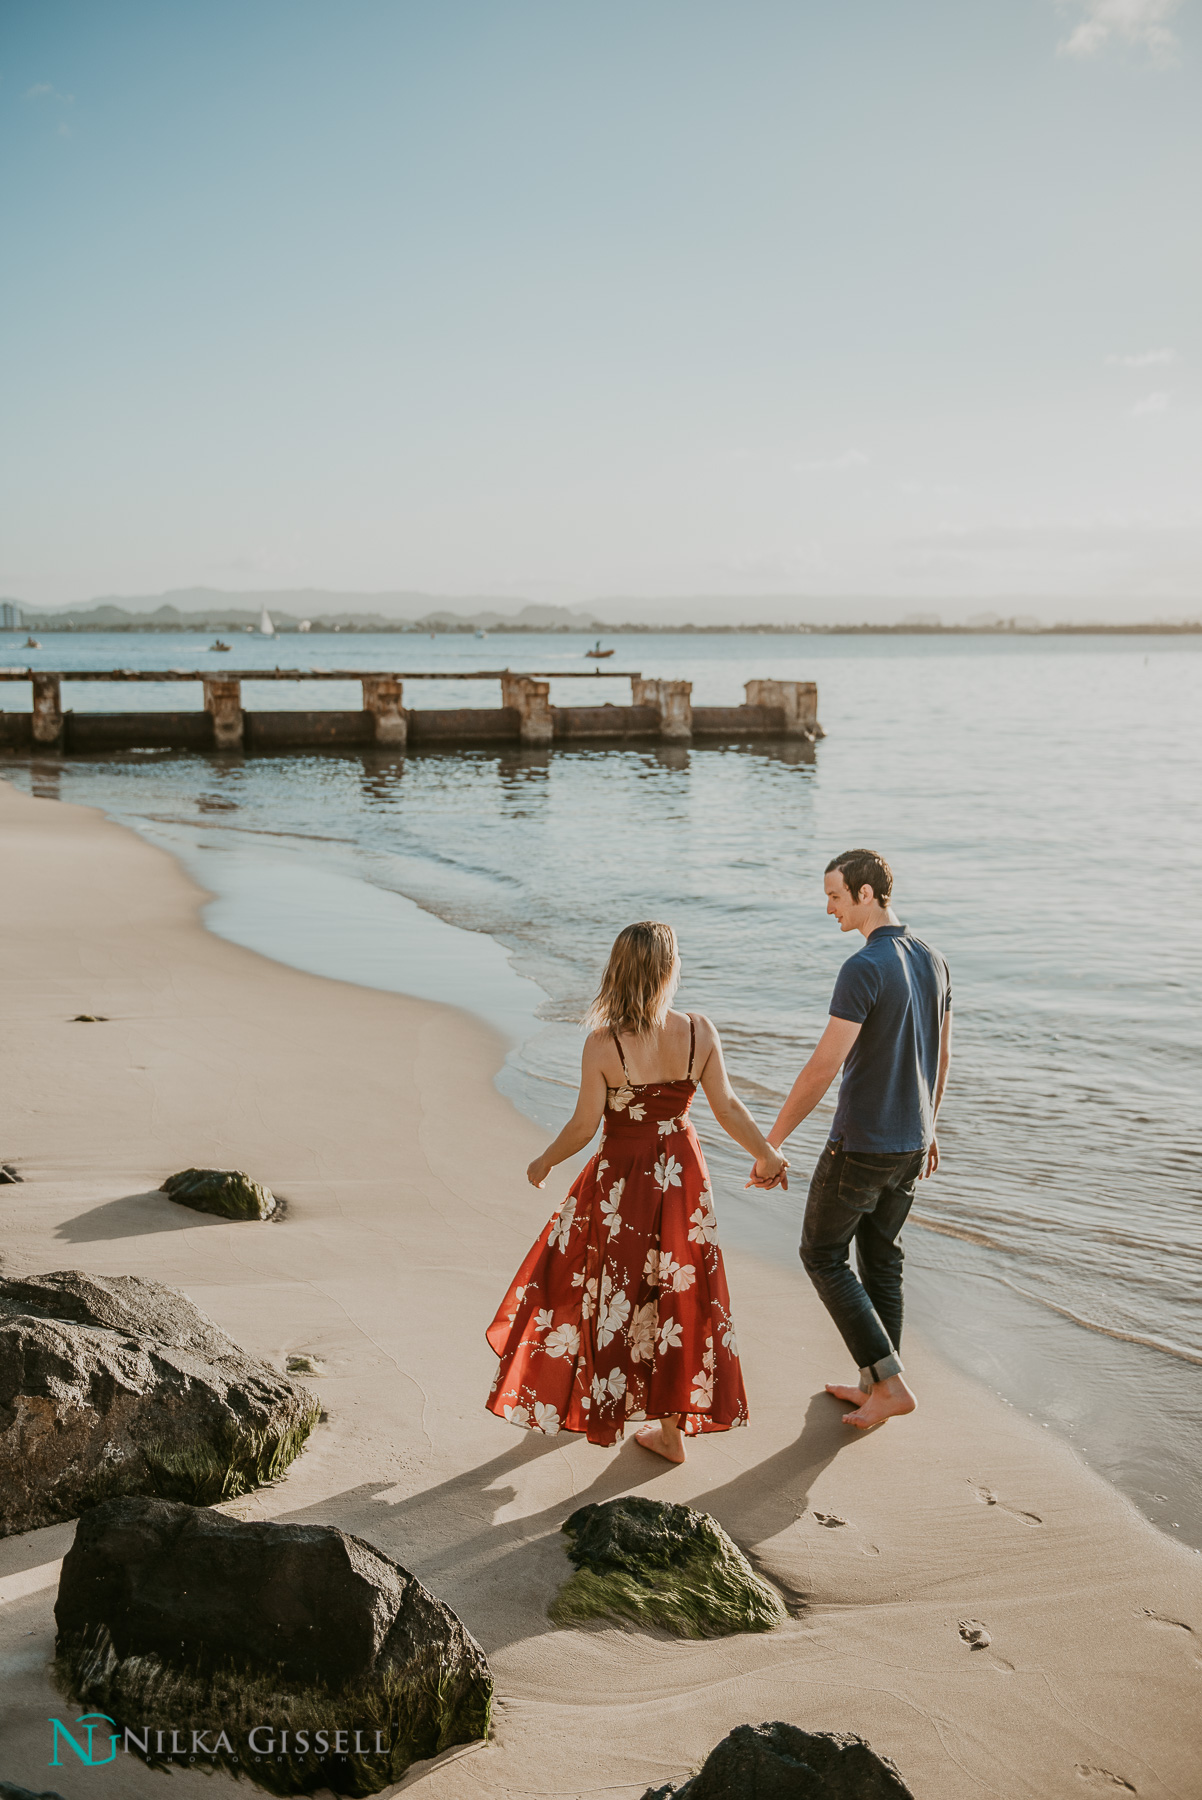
column 377, row 1118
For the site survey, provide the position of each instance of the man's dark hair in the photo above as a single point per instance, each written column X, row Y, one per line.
column 864, row 868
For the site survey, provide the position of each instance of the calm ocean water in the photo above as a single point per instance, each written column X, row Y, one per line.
column 1040, row 801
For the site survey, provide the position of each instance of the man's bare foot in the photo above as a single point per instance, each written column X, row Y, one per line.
column 888, row 1400
column 666, row 1441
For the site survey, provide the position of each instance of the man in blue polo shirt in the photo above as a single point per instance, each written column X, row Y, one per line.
column 890, row 1031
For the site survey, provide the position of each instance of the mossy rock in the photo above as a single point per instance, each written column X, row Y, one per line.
column 661, row 1564
column 229, row 1193
column 287, row 1648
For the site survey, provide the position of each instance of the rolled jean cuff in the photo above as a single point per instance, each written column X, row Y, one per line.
column 880, row 1371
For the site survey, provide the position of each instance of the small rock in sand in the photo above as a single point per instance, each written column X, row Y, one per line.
column 229, row 1193
column 785, row 1763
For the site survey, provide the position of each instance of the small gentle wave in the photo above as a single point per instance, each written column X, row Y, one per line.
column 1110, row 1331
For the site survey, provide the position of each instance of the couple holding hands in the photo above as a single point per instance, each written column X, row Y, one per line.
column 621, row 1310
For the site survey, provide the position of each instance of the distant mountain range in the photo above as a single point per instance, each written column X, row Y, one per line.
column 210, row 609
column 315, row 609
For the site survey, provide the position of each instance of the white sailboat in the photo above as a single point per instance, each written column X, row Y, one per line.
column 265, row 624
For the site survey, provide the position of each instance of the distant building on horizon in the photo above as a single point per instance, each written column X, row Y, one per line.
column 10, row 616
column 991, row 621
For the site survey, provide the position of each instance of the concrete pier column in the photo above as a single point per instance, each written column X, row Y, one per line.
column 47, row 711
column 799, row 700
column 223, row 698
column 382, row 698
column 531, row 700
column 673, row 700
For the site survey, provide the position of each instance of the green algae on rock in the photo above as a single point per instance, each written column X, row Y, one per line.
column 229, row 1193
column 661, row 1564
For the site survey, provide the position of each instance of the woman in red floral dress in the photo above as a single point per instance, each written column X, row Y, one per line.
column 620, row 1311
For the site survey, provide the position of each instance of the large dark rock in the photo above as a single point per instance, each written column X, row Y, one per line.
column 10, row 1791
column 183, row 1619
column 110, row 1384
column 227, row 1192
column 664, row 1565
column 782, row 1762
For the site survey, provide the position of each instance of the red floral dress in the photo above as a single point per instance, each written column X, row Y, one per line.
column 621, row 1309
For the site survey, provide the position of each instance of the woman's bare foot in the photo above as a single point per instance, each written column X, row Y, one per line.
column 888, row 1400
column 664, row 1438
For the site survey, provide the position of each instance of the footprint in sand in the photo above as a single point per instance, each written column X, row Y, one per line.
column 987, row 1497
column 832, row 1522
column 974, row 1634
column 1101, row 1781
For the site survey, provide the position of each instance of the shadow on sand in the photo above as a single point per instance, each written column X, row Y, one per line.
column 133, row 1215
column 500, row 1574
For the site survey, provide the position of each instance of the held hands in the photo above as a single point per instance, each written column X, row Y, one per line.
column 769, row 1171
column 538, row 1171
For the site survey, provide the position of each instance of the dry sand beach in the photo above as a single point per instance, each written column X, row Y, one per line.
column 376, row 1118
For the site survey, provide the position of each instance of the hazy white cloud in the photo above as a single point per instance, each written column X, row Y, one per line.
column 847, row 459
column 1151, row 403
column 1139, row 22
column 42, row 90
column 1142, row 359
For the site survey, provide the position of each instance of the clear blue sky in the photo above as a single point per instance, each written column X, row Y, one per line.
column 656, row 297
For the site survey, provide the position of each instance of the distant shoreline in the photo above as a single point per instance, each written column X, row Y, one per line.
column 419, row 628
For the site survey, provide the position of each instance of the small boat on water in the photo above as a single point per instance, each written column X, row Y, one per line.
column 265, row 625
column 597, row 653
column 31, row 643
column 218, row 645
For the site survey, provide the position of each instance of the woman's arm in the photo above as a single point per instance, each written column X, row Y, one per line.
column 581, row 1128
column 729, row 1110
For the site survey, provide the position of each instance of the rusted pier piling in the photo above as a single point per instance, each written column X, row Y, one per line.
column 660, row 710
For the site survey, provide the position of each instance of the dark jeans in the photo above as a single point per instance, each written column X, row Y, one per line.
column 866, row 1198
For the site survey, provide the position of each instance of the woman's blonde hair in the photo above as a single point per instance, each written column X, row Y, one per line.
column 640, row 979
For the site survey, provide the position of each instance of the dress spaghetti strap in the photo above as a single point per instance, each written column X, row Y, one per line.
column 618, row 1044
column 692, row 1045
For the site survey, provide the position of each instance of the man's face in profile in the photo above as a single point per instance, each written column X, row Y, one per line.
column 840, row 903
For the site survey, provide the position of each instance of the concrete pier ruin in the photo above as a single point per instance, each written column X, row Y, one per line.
column 660, row 711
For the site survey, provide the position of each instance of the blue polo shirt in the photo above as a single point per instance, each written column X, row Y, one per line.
column 897, row 989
